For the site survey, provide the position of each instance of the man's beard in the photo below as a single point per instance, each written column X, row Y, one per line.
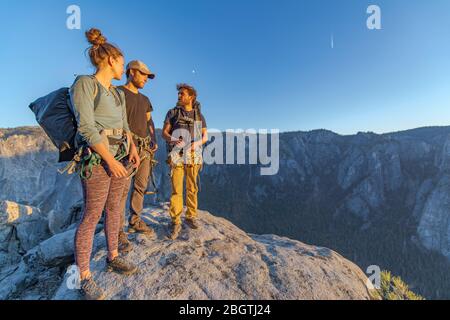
column 139, row 85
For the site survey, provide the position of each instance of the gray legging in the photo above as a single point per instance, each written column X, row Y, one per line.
column 100, row 192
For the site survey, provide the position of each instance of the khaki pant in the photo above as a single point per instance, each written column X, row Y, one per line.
column 176, row 201
column 139, row 185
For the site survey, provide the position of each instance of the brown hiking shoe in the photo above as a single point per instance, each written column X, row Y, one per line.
column 124, row 244
column 192, row 223
column 174, row 231
column 139, row 226
column 120, row 265
column 90, row 290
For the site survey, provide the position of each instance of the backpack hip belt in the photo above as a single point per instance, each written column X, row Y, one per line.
column 113, row 132
column 110, row 140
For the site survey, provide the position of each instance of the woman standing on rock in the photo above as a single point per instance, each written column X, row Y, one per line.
column 102, row 121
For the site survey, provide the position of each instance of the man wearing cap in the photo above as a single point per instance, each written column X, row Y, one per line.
column 141, row 124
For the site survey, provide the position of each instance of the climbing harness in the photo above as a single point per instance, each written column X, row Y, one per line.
column 85, row 159
column 145, row 148
column 177, row 159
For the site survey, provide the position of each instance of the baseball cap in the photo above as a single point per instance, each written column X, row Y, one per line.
column 142, row 67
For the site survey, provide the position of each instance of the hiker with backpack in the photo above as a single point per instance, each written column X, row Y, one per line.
column 185, row 133
column 142, row 127
column 88, row 125
column 102, row 125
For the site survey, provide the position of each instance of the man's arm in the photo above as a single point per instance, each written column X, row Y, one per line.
column 169, row 138
column 151, row 128
column 204, row 140
column 166, row 132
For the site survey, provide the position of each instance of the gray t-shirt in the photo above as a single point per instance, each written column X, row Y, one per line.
column 108, row 113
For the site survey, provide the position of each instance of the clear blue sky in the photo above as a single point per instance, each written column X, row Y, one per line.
column 258, row 63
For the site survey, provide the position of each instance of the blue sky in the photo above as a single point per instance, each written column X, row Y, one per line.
column 258, row 64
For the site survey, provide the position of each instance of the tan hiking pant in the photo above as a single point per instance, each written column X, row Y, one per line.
column 176, row 200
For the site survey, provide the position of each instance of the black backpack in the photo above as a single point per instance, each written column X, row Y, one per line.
column 177, row 111
column 56, row 115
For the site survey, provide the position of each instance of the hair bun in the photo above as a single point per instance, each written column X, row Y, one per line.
column 95, row 37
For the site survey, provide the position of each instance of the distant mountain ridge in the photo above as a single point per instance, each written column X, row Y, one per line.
column 380, row 199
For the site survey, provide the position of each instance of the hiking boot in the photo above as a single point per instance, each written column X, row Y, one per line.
column 90, row 290
column 120, row 265
column 192, row 223
column 124, row 244
column 139, row 226
column 174, row 231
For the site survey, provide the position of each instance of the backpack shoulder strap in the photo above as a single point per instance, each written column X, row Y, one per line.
column 178, row 114
column 121, row 95
column 96, row 92
column 175, row 114
column 197, row 111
